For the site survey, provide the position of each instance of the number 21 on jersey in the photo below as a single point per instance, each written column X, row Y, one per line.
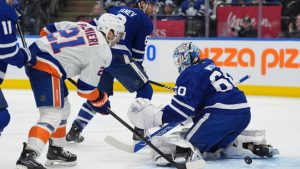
column 71, row 39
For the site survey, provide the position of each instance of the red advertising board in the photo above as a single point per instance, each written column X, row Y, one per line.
column 170, row 28
column 232, row 16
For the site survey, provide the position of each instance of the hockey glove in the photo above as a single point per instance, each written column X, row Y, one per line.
column 30, row 60
column 144, row 115
column 99, row 103
column 102, row 110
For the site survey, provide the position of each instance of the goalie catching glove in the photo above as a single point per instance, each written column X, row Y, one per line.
column 143, row 114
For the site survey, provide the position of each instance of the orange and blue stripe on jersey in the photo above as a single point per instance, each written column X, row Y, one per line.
column 47, row 63
column 87, row 91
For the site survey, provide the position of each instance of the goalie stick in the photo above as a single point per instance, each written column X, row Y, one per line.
column 141, row 144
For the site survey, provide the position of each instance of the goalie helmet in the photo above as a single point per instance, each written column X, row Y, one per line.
column 185, row 55
column 110, row 22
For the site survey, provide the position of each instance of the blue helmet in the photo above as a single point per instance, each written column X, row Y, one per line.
column 155, row 3
column 148, row 1
column 185, row 55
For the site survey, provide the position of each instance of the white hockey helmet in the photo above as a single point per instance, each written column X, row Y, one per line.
column 110, row 22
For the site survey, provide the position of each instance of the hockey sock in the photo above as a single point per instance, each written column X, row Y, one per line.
column 85, row 115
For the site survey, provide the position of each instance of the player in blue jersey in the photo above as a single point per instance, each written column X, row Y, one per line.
column 218, row 109
column 127, row 61
column 10, row 53
column 206, row 94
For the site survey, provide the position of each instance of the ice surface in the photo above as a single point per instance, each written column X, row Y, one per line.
column 279, row 116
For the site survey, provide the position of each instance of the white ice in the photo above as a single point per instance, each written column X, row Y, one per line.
column 279, row 116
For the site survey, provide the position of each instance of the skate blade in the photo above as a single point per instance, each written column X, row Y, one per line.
column 20, row 167
column 59, row 163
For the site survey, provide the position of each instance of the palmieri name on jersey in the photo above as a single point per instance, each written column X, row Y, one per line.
column 90, row 34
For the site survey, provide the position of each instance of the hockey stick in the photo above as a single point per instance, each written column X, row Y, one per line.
column 138, row 146
column 21, row 34
column 141, row 144
column 190, row 165
column 162, row 85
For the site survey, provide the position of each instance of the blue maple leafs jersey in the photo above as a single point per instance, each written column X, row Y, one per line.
column 204, row 88
column 3, row 67
column 9, row 51
column 138, row 27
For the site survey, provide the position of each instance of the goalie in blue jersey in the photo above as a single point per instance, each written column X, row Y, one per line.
column 10, row 53
column 218, row 109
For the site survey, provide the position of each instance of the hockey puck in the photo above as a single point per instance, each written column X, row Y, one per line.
column 248, row 160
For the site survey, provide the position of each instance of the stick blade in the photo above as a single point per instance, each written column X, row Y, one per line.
column 118, row 144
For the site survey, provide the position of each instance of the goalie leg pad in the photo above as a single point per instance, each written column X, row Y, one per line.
column 250, row 143
column 181, row 151
column 251, row 136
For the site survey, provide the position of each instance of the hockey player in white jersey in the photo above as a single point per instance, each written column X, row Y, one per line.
column 80, row 50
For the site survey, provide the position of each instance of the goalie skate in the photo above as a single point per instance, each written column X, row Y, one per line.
column 266, row 151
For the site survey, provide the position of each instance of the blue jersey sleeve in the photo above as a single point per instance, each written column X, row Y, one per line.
column 188, row 97
column 9, row 50
column 139, row 44
column 51, row 28
column 94, row 21
column 3, row 67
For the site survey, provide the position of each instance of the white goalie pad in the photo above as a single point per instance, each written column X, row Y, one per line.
column 251, row 136
column 244, row 145
column 168, row 144
column 237, row 152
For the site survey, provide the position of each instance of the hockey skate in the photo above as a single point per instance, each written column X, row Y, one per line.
column 57, row 157
column 262, row 150
column 141, row 133
column 74, row 134
column 27, row 160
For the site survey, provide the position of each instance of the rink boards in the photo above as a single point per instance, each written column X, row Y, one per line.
column 274, row 64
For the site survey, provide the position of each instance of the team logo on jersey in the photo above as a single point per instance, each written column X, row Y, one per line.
column 43, row 98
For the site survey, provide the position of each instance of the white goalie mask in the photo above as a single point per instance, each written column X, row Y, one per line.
column 110, row 23
column 185, row 55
